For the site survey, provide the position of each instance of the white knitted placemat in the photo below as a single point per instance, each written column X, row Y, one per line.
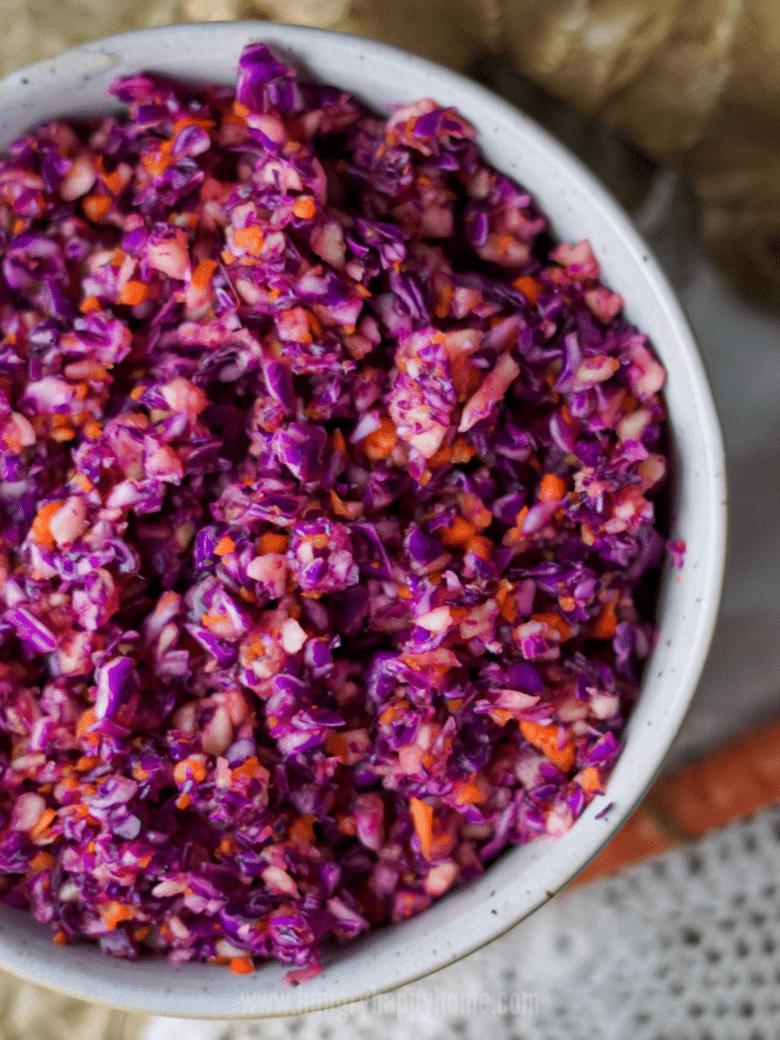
column 682, row 947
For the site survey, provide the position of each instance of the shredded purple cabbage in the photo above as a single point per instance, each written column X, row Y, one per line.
column 326, row 489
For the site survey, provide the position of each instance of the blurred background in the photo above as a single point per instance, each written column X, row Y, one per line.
column 675, row 104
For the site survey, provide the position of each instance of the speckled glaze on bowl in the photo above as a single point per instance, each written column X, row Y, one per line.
column 75, row 84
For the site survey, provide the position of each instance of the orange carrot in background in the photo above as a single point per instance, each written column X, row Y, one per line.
column 422, row 817
column 737, row 779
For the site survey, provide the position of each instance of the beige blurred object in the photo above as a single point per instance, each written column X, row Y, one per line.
column 30, row 1012
column 695, row 83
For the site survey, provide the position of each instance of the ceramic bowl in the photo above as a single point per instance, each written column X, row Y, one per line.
column 522, row 879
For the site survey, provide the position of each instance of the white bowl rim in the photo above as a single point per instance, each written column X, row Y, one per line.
column 275, row 34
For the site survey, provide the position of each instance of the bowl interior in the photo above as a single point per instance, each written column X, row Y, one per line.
column 75, row 84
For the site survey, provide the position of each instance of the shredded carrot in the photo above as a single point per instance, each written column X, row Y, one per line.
column 87, row 719
column 250, row 238
column 87, row 762
column 554, row 620
column 304, row 207
column 114, row 182
column 156, row 163
column 64, row 433
column 441, row 457
column 240, row 110
column 500, row 715
column 480, row 546
column 271, row 542
column 225, row 845
column 422, row 817
column 203, row 273
column 529, row 287
column 227, row 257
column 443, row 299
column 253, row 648
column 93, row 430
column 189, row 767
column 225, row 546
column 551, row 488
column 606, row 623
column 90, row 303
column 468, row 792
column 458, row 533
column 404, row 593
column 506, row 600
column 589, row 779
column 345, row 824
column 40, row 530
column 114, row 912
column 302, row 831
column 209, row 621
column 201, row 121
column 336, row 745
column 60, row 938
column 248, row 768
column 133, row 293
column 96, row 206
column 388, row 714
column 242, row 965
column 381, row 442
column 462, row 451
column 41, row 861
column 183, row 801
column 545, row 739
column 315, row 325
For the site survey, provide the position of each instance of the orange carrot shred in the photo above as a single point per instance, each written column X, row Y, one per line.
column 189, row 767
column 545, row 739
column 468, row 792
column 381, row 442
column 249, row 238
column 203, row 273
column 270, row 542
column 114, row 912
column 459, row 532
column 302, row 831
column 242, row 965
column 96, row 206
column 422, row 817
column 554, row 620
column 304, row 207
column 529, row 287
column 480, row 546
column 41, row 861
column 225, row 546
column 590, row 779
column 133, row 293
column 551, row 488
column 40, row 530
column 337, row 746
column 90, row 303
column 606, row 623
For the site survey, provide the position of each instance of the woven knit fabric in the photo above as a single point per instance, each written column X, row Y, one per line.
column 684, row 947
